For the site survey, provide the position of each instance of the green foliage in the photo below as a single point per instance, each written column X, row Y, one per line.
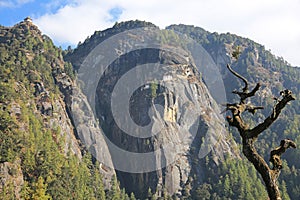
column 203, row 191
column 236, row 53
column 8, row 191
column 114, row 193
column 6, row 90
column 9, row 138
column 284, row 193
column 50, row 171
column 69, row 70
column 132, row 197
column 153, row 87
column 40, row 190
column 232, row 179
column 98, row 187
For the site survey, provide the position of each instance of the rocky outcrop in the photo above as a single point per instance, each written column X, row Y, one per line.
column 36, row 109
column 173, row 100
column 78, row 120
column 90, row 134
column 11, row 178
column 191, row 124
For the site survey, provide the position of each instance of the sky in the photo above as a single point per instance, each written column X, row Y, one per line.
column 272, row 23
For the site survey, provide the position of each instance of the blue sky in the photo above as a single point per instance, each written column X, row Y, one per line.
column 13, row 11
column 115, row 13
column 273, row 23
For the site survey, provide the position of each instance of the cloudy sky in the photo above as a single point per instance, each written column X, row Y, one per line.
column 273, row 23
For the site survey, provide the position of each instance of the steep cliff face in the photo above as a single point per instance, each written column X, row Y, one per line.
column 189, row 115
column 173, row 99
column 88, row 131
column 39, row 145
column 153, row 119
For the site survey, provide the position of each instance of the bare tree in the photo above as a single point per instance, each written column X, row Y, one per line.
column 249, row 135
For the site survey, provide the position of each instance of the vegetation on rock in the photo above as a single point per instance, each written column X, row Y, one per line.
column 31, row 138
column 41, row 160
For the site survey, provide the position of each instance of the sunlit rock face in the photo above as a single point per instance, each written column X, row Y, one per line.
column 180, row 120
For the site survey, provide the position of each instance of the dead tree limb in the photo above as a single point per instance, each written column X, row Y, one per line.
column 249, row 135
column 277, row 152
column 244, row 94
column 245, row 88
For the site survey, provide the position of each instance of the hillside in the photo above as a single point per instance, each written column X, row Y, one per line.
column 54, row 145
column 41, row 156
column 274, row 73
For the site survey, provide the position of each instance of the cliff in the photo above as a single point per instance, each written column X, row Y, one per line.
column 41, row 154
column 140, row 103
column 161, row 86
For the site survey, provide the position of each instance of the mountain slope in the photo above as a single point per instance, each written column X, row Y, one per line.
column 255, row 63
column 48, row 132
column 275, row 74
column 40, row 155
column 179, row 94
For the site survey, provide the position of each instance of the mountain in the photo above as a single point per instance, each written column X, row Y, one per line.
column 274, row 73
column 188, row 111
column 41, row 155
column 63, row 125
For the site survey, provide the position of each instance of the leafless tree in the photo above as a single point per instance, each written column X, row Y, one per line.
column 249, row 135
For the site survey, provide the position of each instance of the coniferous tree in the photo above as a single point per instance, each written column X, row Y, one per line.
column 40, row 190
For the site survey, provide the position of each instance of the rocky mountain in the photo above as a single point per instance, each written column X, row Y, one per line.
column 274, row 73
column 138, row 105
column 41, row 156
column 186, row 113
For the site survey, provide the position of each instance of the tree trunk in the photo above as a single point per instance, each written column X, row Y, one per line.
column 249, row 135
column 268, row 175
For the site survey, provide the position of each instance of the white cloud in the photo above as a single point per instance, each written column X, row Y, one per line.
column 273, row 23
column 13, row 3
column 5, row 4
column 75, row 21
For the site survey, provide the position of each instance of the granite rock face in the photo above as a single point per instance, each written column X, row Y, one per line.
column 77, row 120
column 180, row 120
column 189, row 119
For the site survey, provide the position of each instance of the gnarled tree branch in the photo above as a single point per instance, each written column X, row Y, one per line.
column 249, row 136
column 275, row 157
column 245, row 89
column 287, row 97
column 245, row 93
